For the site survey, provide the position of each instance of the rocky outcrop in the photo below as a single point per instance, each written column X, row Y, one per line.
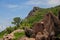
column 29, row 32
column 8, row 37
column 26, row 38
column 38, row 27
column 31, row 13
column 47, row 28
column 11, row 35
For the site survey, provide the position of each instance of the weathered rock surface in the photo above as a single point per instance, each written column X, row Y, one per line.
column 47, row 28
column 26, row 38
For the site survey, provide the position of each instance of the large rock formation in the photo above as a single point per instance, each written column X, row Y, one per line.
column 38, row 27
column 47, row 28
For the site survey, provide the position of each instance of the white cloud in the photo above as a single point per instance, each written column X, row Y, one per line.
column 33, row 2
column 54, row 2
column 4, row 23
column 41, row 3
column 12, row 6
column 2, row 28
column 47, row 3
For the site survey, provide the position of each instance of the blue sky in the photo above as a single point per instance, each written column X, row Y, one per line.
column 20, row 8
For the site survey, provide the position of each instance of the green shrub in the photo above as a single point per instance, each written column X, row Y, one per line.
column 18, row 35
